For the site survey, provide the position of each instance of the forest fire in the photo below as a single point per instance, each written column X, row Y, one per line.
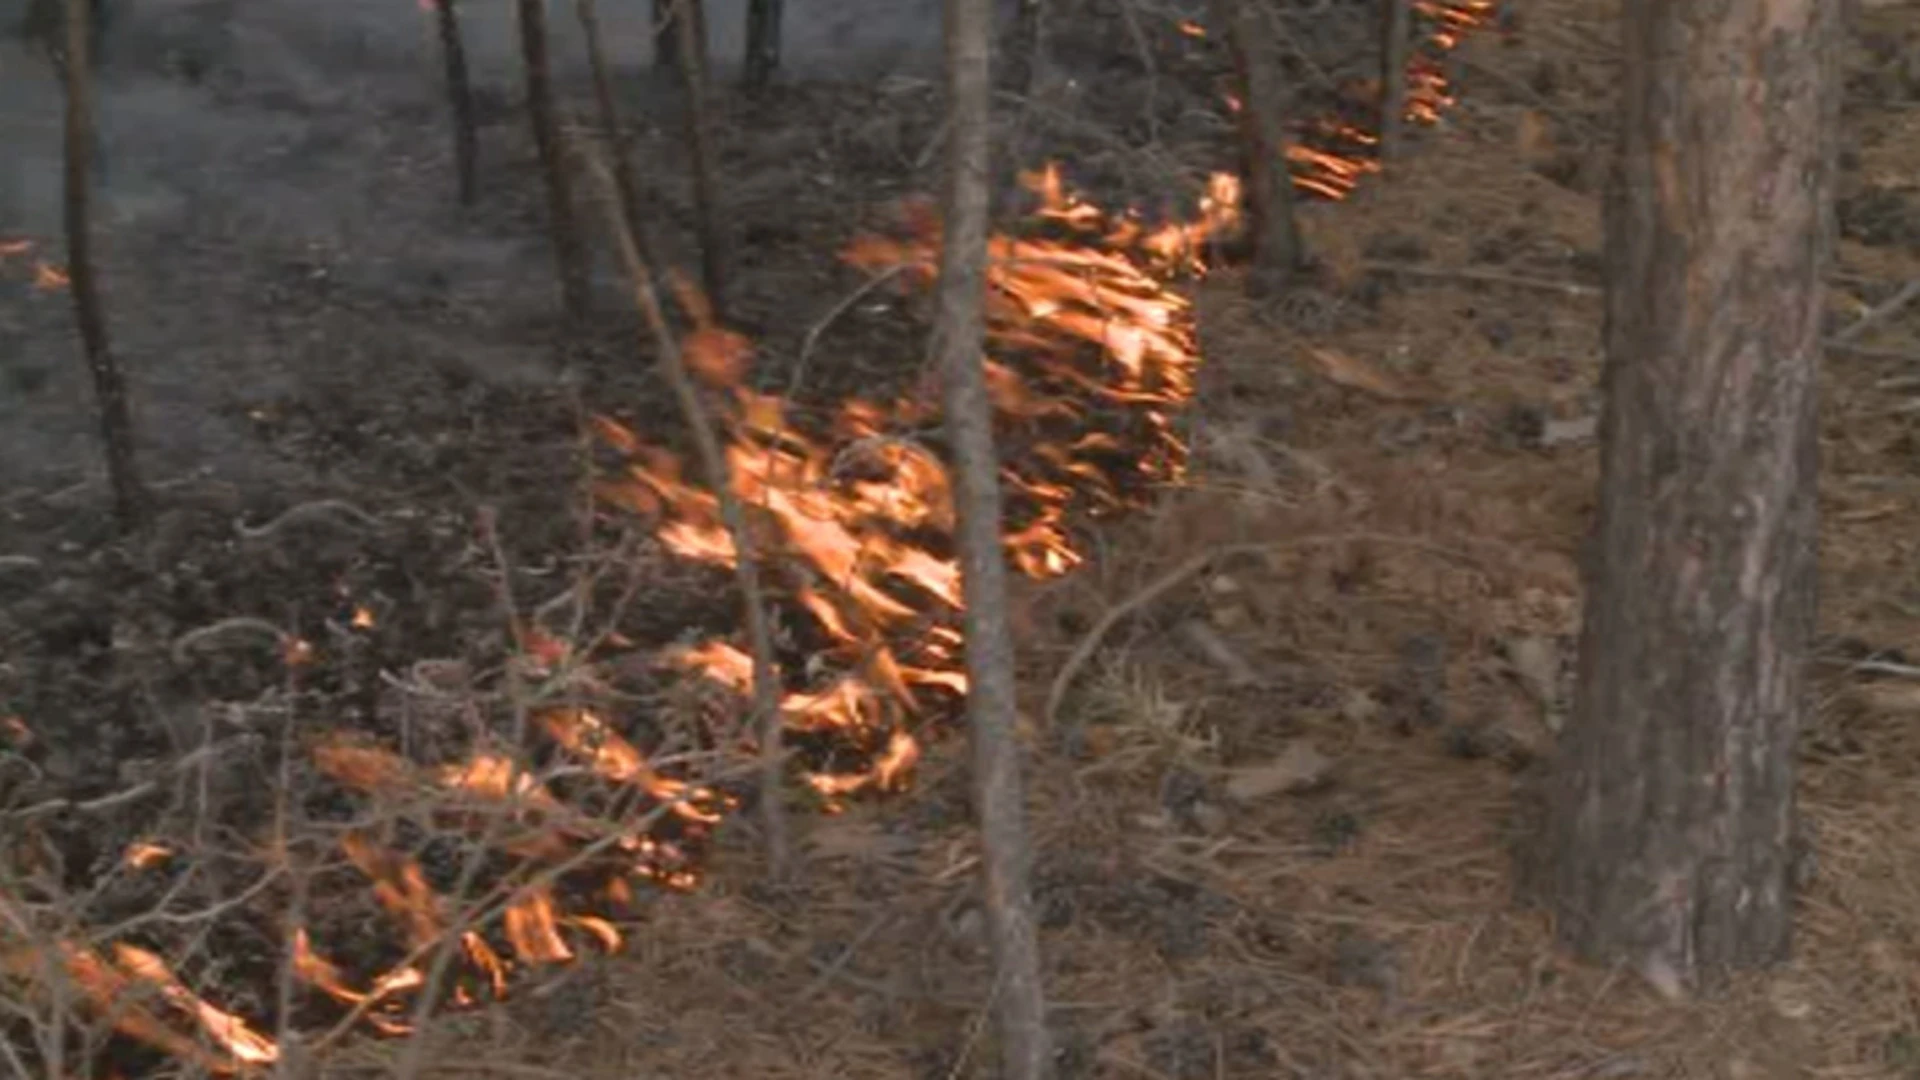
column 1091, row 357
column 47, row 276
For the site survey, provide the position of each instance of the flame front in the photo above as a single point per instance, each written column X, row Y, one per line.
column 1091, row 355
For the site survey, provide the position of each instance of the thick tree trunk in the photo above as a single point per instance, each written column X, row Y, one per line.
column 1673, row 803
column 569, row 255
column 692, row 23
column 453, row 57
column 1277, row 251
column 1396, row 35
column 999, row 796
column 109, row 387
column 764, row 18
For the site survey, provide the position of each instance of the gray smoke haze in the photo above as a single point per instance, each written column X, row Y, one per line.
column 274, row 167
column 303, row 57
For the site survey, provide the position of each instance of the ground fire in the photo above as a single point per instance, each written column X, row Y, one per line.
column 1092, row 356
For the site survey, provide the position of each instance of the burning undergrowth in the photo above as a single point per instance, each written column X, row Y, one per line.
column 522, row 812
column 523, row 821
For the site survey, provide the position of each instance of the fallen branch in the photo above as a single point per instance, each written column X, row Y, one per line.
column 238, row 624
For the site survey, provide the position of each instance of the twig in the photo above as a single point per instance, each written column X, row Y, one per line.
column 766, row 700
column 318, row 508
column 1877, row 314
column 1876, row 667
column 1489, row 277
column 187, row 642
column 808, row 343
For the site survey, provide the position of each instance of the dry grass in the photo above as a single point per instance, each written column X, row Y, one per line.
column 1368, row 926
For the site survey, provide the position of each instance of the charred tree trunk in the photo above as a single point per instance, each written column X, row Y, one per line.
column 1272, row 229
column 998, row 795
column 453, row 56
column 666, row 35
column 568, row 253
column 1396, row 35
column 1673, row 800
column 615, row 132
column 764, row 18
column 692, row 22
column 109, row 386
column 1026, row 48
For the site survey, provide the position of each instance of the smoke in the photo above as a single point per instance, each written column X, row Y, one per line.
column 188, row 84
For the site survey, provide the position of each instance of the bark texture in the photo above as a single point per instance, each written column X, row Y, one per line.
column 1277, row 251
column 1672, row 810
column 453, row 59
column 109, row 386
column 999, row 796
column 569, row 254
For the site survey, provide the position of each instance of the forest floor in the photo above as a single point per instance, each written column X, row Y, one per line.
column 1275, row 816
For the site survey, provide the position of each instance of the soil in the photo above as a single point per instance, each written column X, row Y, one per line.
column 310, row 320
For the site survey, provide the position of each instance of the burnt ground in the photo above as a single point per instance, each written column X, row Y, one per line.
column 1300, row 873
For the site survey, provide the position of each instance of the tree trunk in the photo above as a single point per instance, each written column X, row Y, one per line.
column 1274, row 233
column 764, row 18
column 1672, row 811
column 614, row 130
column 109, row 387
column 453, row 55
column 666, row 36
column 568, row 253
column 692, row 22
column 999, row 796
column 1025, row 49
column 1396, row 35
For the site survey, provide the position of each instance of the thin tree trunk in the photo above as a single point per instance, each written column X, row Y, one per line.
column 453, row 56
column 693, row 65
column 666, row 35
column 768, row 723
column 1396, row 35
column 1672, row 809
column 1026, row 48
column 999, row 796
column 109, row 387
column 568, row 253
column 1277, row 251
column 764, row 19
column 610, row 123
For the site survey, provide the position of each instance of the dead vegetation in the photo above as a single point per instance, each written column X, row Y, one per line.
column 1283, row 725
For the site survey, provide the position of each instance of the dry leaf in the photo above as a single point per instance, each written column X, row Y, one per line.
column 1298, row 768
column 1355, row 374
